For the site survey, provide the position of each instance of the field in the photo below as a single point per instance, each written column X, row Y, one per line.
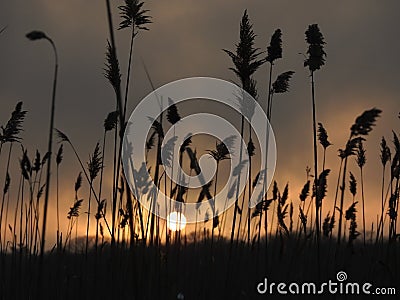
column 110, row 244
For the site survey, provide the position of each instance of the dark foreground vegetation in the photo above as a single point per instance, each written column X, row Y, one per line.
column 285, row 238
column 194, row 271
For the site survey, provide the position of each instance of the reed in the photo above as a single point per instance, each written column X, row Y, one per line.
column 147, row 268
column 314, row 62
column 38, row 35
column 361, row 161
column 10, row 133
column 362, row 126
column 246, row 62
column 94, row 167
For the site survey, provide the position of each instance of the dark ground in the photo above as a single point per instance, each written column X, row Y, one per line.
column 197, row 271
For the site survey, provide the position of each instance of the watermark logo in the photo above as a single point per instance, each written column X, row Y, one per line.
column 340, row 287
column 341, row 276
column 146, row 117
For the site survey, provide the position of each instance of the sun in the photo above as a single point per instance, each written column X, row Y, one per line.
column 176, row 221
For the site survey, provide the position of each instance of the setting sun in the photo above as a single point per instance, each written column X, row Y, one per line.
column 176, row 221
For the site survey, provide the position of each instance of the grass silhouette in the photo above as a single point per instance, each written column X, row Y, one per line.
column 135, row 255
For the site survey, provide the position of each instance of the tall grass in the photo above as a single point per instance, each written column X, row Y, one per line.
column 134, row 17
column 314, row 62
column 38, row 35
column 94, row 167
column 361, row 161
column 361, row 127
column 59, row 158
column 385, row 157
column 246, row 62
column 10, row 134
column 153, row 267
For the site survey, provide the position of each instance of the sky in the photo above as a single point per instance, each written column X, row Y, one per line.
column 185, row 40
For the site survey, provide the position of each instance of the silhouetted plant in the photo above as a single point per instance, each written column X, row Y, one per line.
column 353, row 185
column 394, row 168
column 38, row 35
column 247, row 109
column 395, row 189
column 110, row 123
column 321, row 189
column 112, row 70
column 328, row 225
column 158, row 128
column 361, row 127
column 314, row 61
column 361, row 161
column 98, row 216
column 305, row 191
column 172, row 113
column 95, row 163
column 74, row 210
column 11, row 131
column 94, row 167
column 135, row 17
column 385, row 157
column 282, row 213
column 316, row 53
column 220, row 153
column 113, row 74
column 73, row 213
column 246, row 57
column 351, row 215
column 280, row 86
column 59, row 158
column 64, row 138
column 246, row 61
column 173, row 117
column 10, row 134
column 392, row 213
column 323, row 140
column 205, row 188
column 303, row 219
column 7, row 183
column 180, row 190
column 365, row 122
column 274, row 52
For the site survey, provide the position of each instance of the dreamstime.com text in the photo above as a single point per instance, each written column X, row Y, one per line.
column 340, row 286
